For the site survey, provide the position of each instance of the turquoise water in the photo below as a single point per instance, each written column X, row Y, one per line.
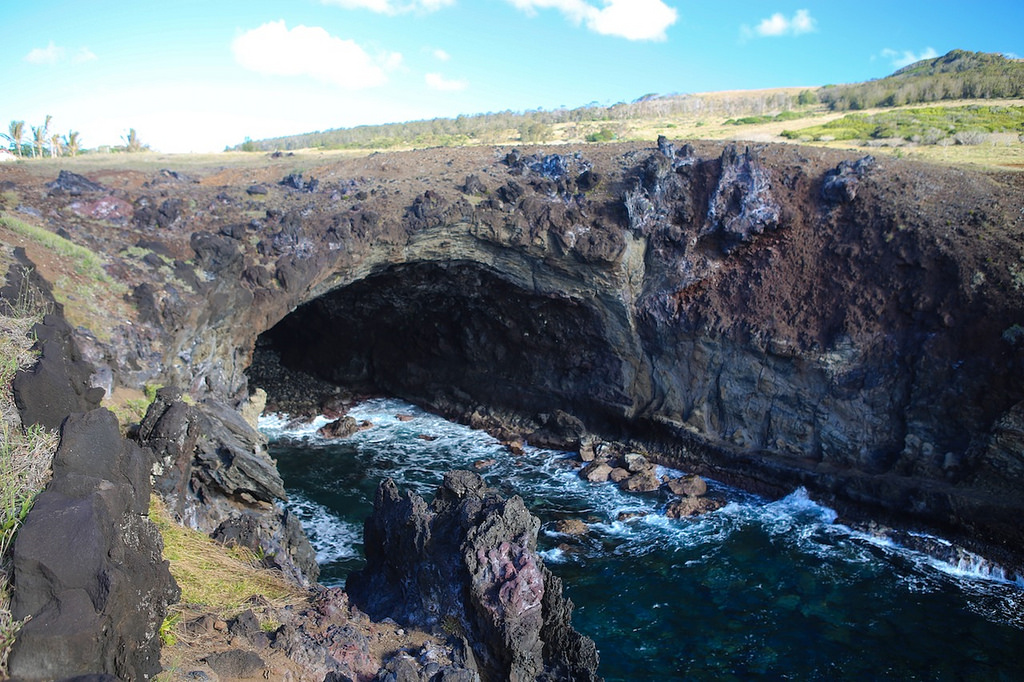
column 759, row 589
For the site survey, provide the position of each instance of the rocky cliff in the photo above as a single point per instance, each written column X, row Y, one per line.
column 771, row 315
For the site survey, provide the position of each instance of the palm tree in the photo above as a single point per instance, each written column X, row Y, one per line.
column 38, row 140
column 46, row 132
column 132, row 141
column 55, row 146
column 16, row 132
column 72, row 142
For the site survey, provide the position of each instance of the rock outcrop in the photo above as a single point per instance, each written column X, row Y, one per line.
column 467, row 562
column 88, row 571
column 213, row 471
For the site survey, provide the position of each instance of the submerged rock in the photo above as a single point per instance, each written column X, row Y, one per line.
column 468, row 562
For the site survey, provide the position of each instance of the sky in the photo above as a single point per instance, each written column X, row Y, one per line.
column 203, row 75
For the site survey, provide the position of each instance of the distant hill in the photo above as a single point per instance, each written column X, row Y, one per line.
column 955, row 75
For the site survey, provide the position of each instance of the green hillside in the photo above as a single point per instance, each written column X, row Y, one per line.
column 956, row 75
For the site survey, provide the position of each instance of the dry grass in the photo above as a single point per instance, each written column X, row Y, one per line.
column 25, row 455
column 221, row 580
column 91, row 298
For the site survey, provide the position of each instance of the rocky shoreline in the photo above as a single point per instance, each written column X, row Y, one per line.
column 771, row 317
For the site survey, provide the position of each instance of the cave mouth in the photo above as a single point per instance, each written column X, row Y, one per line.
column 453, row 337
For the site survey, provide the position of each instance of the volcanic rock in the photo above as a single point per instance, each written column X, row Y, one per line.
column 469, row 557
column 100, row 610
column 692, row 506
column 596, row 472
column 214, row 472
column 691, row 484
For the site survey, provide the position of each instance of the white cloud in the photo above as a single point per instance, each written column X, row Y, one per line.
column 83, row 55
column 906, row 57
column 438, row 82
column 54, row 54
column 51, row 54
column 630, row 19
column 779, row 24
column 274, row 49
column 441, row 55
column 392, row 6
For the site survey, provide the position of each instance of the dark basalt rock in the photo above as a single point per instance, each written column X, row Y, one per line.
column 468, row 560
column 74, row 184
column 215, row 474
column 840, row 184
column 99, row 610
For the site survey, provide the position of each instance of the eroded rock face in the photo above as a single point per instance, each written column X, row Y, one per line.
column 99, row 608
column 770, row 315
column 468, row 562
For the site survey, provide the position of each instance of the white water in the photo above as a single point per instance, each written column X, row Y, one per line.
column 794, row 526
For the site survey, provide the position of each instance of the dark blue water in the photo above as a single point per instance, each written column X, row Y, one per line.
column 759, row 589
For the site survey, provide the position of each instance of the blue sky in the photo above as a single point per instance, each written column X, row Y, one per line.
column 196, row 76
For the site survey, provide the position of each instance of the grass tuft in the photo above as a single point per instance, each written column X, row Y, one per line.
column 218, row 578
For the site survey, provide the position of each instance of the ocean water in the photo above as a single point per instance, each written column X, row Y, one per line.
column 758, row 589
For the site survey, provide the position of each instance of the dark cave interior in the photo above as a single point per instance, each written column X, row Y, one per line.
column 455, row 334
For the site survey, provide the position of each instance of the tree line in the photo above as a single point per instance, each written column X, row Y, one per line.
column 528, row 126
column 956, row 75
column 43, row 142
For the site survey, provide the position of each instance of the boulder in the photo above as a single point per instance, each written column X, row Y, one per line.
column 641, row 482
column 100, row 610
column 691, row 485
column 339, row 428
column 635, row 462
column 618, row 475
column 73, row 184
column 469, row 560
column 571, row 527
column 692, row 506
column 596, row 472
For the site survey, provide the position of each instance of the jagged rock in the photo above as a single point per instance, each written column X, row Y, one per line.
column 100, row 609
column 742, row 204
column 691, row 484
column 74, row 184
column 469, row 557
column 473, row 185
column 588, row 450
column 213, row 471
column 840, row 183
column 169, row 213
column 339, row 428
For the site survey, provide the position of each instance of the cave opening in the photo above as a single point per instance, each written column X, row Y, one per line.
column 453, row 336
